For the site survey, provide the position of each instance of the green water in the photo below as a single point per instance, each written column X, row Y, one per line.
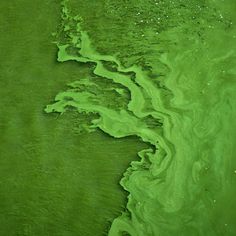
column 54, row 179
column 158, row 71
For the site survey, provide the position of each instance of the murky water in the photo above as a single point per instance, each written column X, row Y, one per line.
column 185, row 112
column 162, row 71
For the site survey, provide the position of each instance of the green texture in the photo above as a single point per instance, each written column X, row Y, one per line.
column 157, row 71
column 55, row 177
column 178, row 186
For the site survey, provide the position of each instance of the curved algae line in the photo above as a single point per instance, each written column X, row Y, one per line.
column 137, row 102
column 161, row 201
column 121, row 124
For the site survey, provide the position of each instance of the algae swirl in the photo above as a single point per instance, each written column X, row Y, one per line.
column 174, row 187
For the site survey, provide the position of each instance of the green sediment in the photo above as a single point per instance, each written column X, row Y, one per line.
column 175, row 187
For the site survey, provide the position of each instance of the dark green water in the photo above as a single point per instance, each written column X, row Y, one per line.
column 161, row 72
column 53, row 181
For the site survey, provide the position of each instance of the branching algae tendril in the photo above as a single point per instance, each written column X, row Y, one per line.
column 159, row 201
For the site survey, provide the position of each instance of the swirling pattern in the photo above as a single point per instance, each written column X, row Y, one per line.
column 174, row 188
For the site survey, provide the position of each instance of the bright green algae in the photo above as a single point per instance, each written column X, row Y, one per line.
column 54, row 179
column 189, row 168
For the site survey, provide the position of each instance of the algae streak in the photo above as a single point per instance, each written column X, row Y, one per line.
column 176, row 186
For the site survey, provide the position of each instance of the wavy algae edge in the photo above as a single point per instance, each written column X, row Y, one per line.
column 154, row 207
column 120, row 124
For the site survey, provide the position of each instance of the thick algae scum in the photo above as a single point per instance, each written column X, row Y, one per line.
column 184, row 184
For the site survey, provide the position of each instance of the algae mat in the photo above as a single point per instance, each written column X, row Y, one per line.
column 145, row 83
column 55, row 179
